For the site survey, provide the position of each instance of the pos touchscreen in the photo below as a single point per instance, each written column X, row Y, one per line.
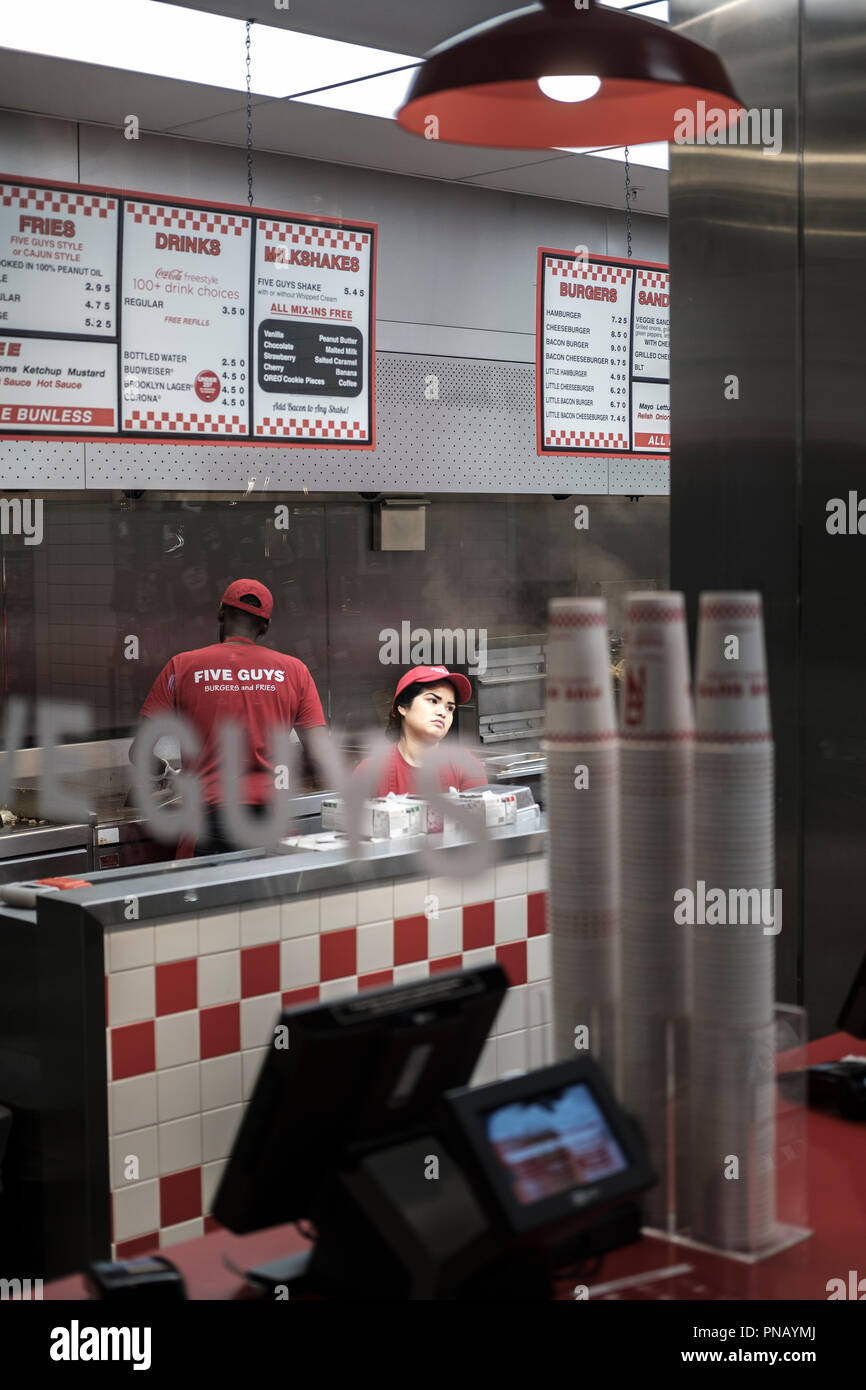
column 551, row 1143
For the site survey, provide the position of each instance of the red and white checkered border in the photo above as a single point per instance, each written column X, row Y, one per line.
column 311, row 428
column 581, row 270
column 654, row 279
column 54, row 200
column 327, row 238
column 574, row 438
column 184, row 422
column 188, row 219
column 712, row 608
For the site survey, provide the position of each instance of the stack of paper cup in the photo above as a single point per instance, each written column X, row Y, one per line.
column 737, row 915
column 657, row 763
column 582, row 755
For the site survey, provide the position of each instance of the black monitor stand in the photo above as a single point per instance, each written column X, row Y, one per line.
column 405, row 1223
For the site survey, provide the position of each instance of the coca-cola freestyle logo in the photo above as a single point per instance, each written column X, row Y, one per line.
column 164, row 274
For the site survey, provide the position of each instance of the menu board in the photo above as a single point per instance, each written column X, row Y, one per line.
column 129, row 315
column 602, row 356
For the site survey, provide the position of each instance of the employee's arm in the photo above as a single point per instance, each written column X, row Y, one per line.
column 314, row 740
column 160, row 700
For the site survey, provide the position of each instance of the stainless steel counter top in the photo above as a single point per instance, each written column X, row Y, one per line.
column 41, row 839
column 253, row 876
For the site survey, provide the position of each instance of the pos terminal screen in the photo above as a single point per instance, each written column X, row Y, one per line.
column 551, row 1143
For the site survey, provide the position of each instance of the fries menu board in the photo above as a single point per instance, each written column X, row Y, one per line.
column 602, row 356
column 126, row 315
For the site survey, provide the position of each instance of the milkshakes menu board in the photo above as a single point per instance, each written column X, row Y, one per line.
column 130, row 316
column 602, row 356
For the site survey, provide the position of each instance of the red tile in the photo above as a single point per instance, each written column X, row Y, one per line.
column 211, row 1224
column 410, row 939
column 179, row 1197
column 176, row 987
column 133, row 1049
column 377, row 980
column 219, row 1030
column 479, row 926
column 337, row 954
column 446, row 963
column 294, row 997
column 140, row 1245
column 260, row 970
column 512, row 958
column 536, row 911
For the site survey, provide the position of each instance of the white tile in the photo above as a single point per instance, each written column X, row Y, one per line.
column 538, row 958
column 134, row 1157
column 338, row 910
column 252, row 1065
column 536, row 874
column 538, row 1003
column 375, row 945
column 219, row 978
column 338, row 989
column 211, row 1174
column 260, row 924
column 409, row 897
column 300, row 916
column 136, row 1210
column 510, row 878
column 184, row 1230
column 376, row 903
column 299, row 962
column 445, row 932
column 132, row 1103
column 512, row 1053
column 510, row 922
column 512, row 1012
column 108, row 1062
column 129, row 947
column 178, row 1092
column 132, row 995
column 258, row 1018
column 220, row 1081
column 219, row 931
column 448, row 891
column 177, row 1039
column 218, row 1129
column 481, row 889
column 177, row 940
column 540, row 1047
column 482, row 955
column 485, row 1069
column 414, row 970
column 180, row 1144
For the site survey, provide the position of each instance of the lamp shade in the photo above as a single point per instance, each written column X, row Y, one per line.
column 482, row 87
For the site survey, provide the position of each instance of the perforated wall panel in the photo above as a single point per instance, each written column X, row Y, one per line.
column 444, row 424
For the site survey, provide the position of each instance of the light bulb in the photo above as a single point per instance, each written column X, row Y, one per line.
column 569, row 88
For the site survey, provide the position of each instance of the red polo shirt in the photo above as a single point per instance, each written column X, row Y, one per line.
column 401, row 777
column 239, row 682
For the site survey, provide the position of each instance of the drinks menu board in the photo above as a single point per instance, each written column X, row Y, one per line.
column 602, row 356
column 127, row 315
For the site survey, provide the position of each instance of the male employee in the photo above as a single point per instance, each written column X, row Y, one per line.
column 233, row 681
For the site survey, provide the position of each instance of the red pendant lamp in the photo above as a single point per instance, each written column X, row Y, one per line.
column 558, row 73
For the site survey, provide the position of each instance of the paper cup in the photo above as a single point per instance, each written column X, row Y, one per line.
column 657, row 697
column 732, row 702
column 579, row 691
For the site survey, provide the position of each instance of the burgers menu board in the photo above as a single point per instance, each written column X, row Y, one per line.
column 602, row 355
column 133, row 316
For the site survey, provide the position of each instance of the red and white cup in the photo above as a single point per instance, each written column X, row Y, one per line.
column 579, row 693
column 656, row 702
column 732, row 703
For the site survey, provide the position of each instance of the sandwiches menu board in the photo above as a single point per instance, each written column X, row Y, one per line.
column 138, row 317
column 602, row 356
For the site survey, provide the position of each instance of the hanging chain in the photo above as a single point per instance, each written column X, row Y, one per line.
column 627, row 203
column 249, row 123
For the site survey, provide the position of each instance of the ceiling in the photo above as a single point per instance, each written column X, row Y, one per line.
column 85, row 92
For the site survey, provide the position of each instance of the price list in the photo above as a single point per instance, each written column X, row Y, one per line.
column 602, row 361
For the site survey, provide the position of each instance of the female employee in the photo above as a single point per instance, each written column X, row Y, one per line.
column 421, row 715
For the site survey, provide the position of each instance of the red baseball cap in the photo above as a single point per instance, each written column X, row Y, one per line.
column 242, row 589
column 431, row 675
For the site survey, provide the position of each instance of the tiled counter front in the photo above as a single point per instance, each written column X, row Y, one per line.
column 192, row 1001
